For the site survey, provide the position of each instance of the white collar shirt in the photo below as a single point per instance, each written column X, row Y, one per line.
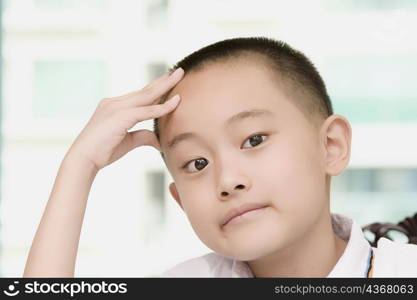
column 391, row 259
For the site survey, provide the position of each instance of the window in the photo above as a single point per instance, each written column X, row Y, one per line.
column 156, row 13
column 369, row 88
column 377, row 180
column 54, row 5
column 67, row 88
column 360, row 5
column 155, row 70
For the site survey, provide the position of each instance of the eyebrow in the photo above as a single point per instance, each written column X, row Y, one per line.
column 254, row 113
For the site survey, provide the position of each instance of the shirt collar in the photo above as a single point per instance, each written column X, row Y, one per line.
column 354, row 261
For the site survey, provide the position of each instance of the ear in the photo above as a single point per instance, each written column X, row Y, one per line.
column 336, row 135
column 174, row 193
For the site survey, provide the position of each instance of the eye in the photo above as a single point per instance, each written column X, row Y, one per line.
column 198, row 164
column 256, row 139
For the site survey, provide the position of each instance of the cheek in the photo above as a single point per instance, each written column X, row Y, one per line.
column 199, row 207
column 294, row 176
column 203, row 221
column 202, row 209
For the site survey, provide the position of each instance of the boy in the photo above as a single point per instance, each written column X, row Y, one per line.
column 265, row 138
column 251, row 148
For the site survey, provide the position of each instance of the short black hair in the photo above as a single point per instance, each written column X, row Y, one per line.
column 300, row 79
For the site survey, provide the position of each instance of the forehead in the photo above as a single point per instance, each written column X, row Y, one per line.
column 211, row 95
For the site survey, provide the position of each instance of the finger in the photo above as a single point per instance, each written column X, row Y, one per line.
column 144, row 137
column 142, row 113
column 154, row 92
column 159, row 80
column 156, row 81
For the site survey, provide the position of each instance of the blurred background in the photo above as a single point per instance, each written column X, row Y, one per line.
column 61, row 57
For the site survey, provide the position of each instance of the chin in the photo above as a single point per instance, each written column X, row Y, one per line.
column 249, row 255
column 256, row 246
column 246, row 252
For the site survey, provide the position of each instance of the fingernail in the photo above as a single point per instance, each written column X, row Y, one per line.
column 177, row 71
column 175, row 98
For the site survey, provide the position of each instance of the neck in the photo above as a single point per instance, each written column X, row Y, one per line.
column 313, row 255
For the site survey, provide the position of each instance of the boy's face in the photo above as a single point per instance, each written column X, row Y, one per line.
column 282, row 167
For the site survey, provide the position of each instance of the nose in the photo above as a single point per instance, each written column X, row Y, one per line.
column 225, row 192
column 232, row 185
column 232, row 178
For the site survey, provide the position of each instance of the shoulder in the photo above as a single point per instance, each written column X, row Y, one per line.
column 395, row 259
column 207, row 265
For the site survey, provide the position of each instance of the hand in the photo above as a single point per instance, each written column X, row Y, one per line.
column 105, row 138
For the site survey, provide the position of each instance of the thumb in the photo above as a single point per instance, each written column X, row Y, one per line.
column 144, row 137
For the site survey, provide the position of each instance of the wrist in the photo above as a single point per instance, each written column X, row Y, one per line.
column 74, row 160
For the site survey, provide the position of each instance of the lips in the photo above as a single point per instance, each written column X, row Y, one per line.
column 240, row 210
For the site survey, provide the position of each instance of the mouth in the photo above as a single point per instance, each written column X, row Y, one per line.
column 243, row 213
